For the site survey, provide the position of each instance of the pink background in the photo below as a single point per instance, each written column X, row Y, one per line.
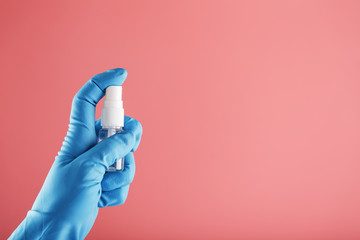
column 250, row 111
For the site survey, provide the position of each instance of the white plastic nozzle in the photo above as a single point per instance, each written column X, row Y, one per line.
column 112, row 113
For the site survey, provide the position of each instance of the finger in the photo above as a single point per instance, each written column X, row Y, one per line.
column 81, row 134
column 127, row 121
column 114, row 198
column 131, row 123
column 105, row 153
column 118, row 179
column 91, row 93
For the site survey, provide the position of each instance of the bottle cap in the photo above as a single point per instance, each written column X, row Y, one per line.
column 112, row 113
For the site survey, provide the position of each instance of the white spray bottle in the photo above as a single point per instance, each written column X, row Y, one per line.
column 112, row 119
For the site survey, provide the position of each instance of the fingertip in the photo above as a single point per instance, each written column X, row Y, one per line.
column 127, row 118
column 136, row 128
column 112, row 77
column 131, row 124
column 117, row 71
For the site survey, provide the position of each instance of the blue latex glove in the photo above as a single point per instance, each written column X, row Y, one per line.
column 77, row 184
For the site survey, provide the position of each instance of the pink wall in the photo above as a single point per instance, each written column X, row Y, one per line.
column 250, row 110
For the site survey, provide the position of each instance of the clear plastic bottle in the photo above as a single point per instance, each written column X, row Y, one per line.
column 112, row 119
column 108, row 132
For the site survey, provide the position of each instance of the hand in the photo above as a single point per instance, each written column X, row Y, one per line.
column 78, row 184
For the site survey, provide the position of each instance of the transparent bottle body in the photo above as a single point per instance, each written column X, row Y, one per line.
column 108, row 132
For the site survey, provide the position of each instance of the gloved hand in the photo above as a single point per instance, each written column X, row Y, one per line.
column 77, row 184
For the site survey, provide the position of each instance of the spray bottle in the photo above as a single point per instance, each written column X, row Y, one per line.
column 112, row 119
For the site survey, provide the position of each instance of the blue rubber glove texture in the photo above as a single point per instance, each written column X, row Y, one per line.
column 77, row 183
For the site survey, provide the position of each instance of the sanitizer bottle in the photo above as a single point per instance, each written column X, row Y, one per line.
column 112, row 119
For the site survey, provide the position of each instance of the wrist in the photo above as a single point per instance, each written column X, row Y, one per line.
column 30, row 228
